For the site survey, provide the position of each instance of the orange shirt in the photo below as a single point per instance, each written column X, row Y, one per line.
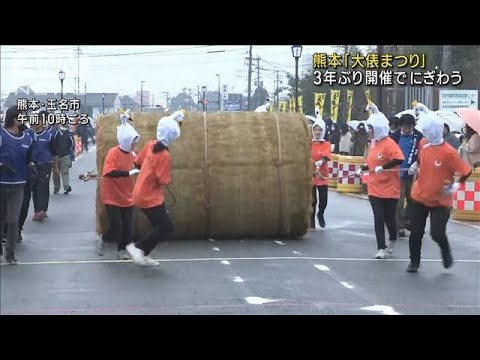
column 321, row 149
column 438, row 164
column 156, row 172
column 421, row 144
column 117, row 191
column 147, row 150
column 386, row 184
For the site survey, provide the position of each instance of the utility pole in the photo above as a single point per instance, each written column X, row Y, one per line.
column 189, row 100
column 166, row 93
column 258, row 83
column 249, row 77
column 74, row 85
column 85, row 100
column 278, row 86
column 198, row 96
column 78, row 68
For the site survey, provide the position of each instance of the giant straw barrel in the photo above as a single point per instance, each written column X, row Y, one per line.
column 235, row 175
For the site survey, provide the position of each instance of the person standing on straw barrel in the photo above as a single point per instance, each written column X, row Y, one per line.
column 383, row 186
column 321, row 154
column 148, row 193
column 116, row 189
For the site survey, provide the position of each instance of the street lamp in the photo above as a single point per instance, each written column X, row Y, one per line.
column 204, row 92
column 296, row 53
column 103, row 103
column 61, row 76
column 219, row 97
column 141, row 96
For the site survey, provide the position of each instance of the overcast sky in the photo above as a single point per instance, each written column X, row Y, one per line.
column 163, row 68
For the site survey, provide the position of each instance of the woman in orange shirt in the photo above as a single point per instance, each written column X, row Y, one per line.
column 321, row 154
column 156, row 173
column 116, row 189
column 438, row 162
column 383, row 187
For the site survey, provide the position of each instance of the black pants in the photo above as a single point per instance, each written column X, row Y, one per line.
column 162, row 228
column 27, row 196
column 41, row 187
column 438, row 227
column 120, row 229
column 322, row 202
column 11, row 197
column 384, row 214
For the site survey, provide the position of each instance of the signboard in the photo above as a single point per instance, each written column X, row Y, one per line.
column 452, row 99
column 233, row 105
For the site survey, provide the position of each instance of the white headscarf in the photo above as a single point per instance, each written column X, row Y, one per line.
column 126, row 133
column 379, row 122
column 323, row 126
column 431, row 125
column 167, row 131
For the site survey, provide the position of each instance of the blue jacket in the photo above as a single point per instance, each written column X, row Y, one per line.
column 15, row 154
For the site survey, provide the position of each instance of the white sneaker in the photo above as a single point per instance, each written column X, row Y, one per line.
column 100, row 247
column 391, row 246
column 150, row 262
column 123, row 255
column 136, row 254
column 381, row 254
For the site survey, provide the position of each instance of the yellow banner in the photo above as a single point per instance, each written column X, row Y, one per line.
column 349, row 104
column 292, row 104
column 283, row 105
column 300, row 104
column 320, row 102
column 369, row 99
column 334, row 104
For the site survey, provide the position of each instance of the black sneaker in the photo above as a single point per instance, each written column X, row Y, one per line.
column 19, row 240
column 321, row 221
column 68, row 190
column 56, row 191
column 447, row 259
column 401, row 233
column 4, row 240
column 12, row 260
column 412, row 268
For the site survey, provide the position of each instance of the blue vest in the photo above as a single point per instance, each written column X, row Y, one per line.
column 13, row 153
column 42, row 153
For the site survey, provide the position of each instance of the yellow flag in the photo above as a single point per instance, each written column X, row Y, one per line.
column 320, row 102
column 369, row 99
column 292, row 104
column 334, row 104
column 349, row 104
column 300, row 104
column 283, row 106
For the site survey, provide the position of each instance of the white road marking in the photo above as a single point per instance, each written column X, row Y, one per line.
column 225, row 262
column 238, row 279
column 66, row 262
column 279, row 242
column 346, row 284
column 215, row 249
column 385, row 310
column 254, row 300
column 322, row 267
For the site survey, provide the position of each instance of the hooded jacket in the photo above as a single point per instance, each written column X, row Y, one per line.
column 321, row 150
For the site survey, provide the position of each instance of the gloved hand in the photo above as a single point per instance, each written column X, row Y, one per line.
column 359, row 172
column 319, row 163
column 452, row 188
column 133, row 172
column 378, row 169
column 124, row 116
column 413, row 168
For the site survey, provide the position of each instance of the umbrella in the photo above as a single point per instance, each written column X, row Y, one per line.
column 408, row 111
column 354, row 123
column 471, row 117
column 454, row 122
